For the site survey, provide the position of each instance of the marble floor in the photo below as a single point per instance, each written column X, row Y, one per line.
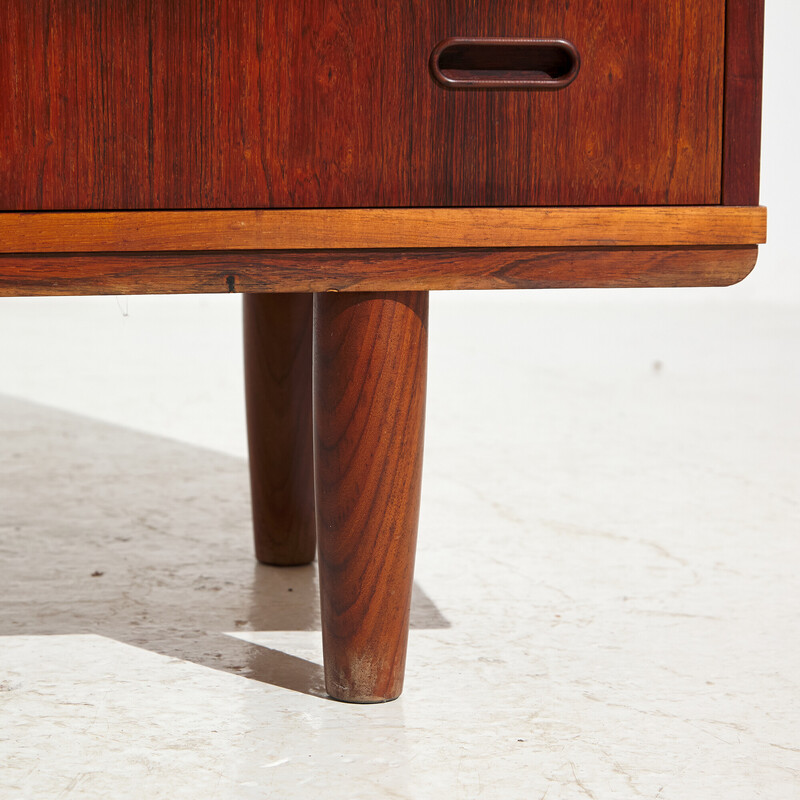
column 607, row 594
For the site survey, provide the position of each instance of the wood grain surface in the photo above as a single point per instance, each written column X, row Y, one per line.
column 371, row 270
column 351, row 228
column 144, row 104
column 744, row 55
column 370, row 361
column 277, row 358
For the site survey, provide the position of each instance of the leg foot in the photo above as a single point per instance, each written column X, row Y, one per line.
column 370, row 362
column 277, row 357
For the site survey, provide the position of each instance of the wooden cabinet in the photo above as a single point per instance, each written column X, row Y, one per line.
column 365, row 152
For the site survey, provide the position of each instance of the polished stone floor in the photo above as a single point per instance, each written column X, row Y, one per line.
column 607, row 600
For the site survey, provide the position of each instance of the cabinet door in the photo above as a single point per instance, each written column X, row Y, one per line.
column 332, row 103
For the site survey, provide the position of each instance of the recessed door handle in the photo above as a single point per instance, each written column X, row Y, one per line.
column 491, row 63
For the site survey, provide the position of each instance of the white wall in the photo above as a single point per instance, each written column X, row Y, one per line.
column 777, row 275
column 172, row 365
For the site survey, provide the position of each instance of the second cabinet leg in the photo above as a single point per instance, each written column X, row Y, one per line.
column 277, row 358
column 370, row 367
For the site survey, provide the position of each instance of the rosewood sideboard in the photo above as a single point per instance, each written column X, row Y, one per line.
column 334, row 161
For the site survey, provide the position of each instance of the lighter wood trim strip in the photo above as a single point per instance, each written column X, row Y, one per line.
column 376, row 228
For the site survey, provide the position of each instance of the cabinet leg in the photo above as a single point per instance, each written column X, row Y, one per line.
column 370, row 363
column 277, row 358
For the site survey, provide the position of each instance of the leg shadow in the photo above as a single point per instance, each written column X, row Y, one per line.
column 139, row 538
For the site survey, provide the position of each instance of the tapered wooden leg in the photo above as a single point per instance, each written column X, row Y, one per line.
column 370, row 364
column 277, row 357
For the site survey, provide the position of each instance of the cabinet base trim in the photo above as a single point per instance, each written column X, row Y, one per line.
column 371, row 270
column 374, row 228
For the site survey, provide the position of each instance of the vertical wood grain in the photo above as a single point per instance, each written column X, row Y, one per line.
column 134, row 104
column 744, row 55
column 40, row 106
column 277, row 352
column 370, row 361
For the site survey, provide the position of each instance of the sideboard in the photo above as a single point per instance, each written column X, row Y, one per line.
column 334, row 162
